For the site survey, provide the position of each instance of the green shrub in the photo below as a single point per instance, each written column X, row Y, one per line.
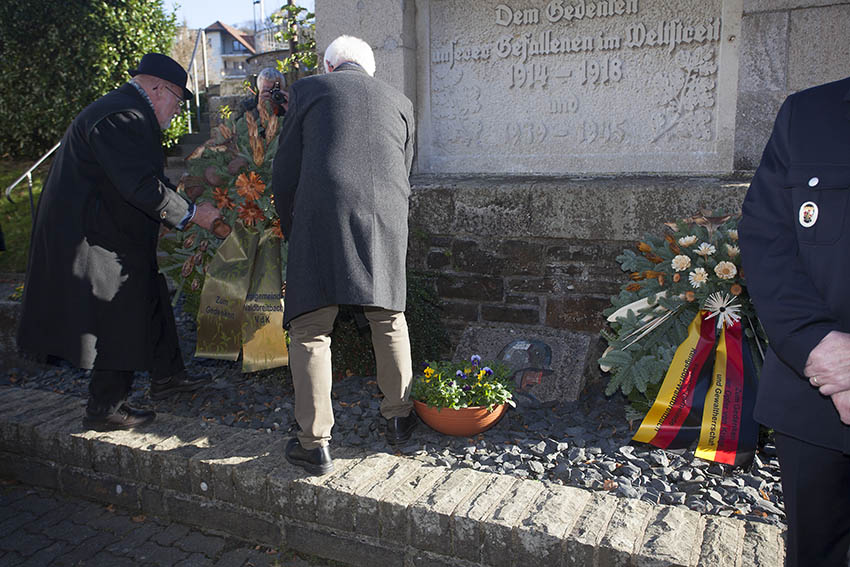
column 16, row 217
column 352, row 351
column 60, row 56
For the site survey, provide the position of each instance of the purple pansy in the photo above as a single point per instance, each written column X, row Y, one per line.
column 467, row 388
column 460, row 374
column 476, row 360
column 487, row 370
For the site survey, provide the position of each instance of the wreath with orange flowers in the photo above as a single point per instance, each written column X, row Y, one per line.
column 694, row 265
column 232, row 170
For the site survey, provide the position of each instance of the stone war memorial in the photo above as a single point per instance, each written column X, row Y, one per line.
column 553, row 134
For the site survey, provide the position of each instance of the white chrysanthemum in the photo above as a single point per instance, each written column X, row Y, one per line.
column 698, row 277
column 732, row 250
column 689, row 240
column 725, row 270
column 681, row 263
column 706, row 249
column 733, row 235
column 722, row 306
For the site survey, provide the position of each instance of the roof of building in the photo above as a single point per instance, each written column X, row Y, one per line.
column 237, row 35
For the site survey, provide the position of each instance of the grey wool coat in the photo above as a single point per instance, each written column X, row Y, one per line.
column 92, row 278
column 341, row 189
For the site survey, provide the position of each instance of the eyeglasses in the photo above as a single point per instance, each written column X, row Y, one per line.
column 179, row 98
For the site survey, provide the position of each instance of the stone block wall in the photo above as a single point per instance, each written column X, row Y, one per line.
column 787, row 46
column 542, row 251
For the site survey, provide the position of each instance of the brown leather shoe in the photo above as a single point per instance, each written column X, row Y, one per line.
column 180, row 382
column 124, row 416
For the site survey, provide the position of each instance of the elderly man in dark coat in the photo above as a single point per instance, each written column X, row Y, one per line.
column 341, row 189
column 93, row 294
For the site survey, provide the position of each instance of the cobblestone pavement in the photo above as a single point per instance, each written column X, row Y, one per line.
column 41, row 528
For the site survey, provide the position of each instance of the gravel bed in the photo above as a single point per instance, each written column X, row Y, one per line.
column 583, row 443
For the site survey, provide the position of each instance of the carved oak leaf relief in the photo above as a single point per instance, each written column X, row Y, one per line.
column 685, row 94
column 454, row 106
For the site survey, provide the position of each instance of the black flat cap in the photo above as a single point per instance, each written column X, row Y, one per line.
column 164, row 67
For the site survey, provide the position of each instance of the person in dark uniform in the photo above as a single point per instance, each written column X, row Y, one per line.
column 93, row 295
column 341, row 189
column 794, row 241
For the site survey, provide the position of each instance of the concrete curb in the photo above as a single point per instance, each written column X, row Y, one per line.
column 376, row 510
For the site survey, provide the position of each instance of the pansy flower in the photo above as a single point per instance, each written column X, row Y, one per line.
column 476, row 360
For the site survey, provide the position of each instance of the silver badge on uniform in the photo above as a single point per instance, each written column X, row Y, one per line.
column 808, row 214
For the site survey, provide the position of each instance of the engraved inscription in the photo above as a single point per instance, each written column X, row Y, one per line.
column 558, row 10
column 526, row 132
column 672, row 33
column 600, row 71
column 529, row 75
column 505, row 16
column 565, row 105
column 564, row 83
column 602, row 131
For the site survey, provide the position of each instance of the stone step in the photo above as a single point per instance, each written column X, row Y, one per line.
column 374, row 509
column 195, row 139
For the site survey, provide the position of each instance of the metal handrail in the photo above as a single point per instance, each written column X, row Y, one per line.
column 28, row 176
column 192, row 71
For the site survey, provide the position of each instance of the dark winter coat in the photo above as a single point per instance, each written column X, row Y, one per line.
column 341, row 189
column 797, row 270
column 92, row 276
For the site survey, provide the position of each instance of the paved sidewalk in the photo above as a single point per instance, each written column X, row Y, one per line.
column 40, row 528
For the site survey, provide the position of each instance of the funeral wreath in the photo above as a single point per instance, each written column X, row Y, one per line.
column 693, row 267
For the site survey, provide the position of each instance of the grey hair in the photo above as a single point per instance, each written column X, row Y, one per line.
column 347, row 48
column 272, row 75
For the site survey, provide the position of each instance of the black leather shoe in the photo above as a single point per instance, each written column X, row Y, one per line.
column 315, row 461
column 399, row 429
column 123, row 417
column 180, row 382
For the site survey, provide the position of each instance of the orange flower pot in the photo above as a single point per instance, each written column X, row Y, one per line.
column 463, row 422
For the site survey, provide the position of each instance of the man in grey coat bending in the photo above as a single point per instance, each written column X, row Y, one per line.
column 341, row 190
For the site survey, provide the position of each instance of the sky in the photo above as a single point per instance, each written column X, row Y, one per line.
column 202, row 13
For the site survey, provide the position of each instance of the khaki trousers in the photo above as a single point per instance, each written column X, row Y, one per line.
column 310, row 363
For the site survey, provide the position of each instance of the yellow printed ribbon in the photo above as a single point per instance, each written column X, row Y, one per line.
column 675, row 398
column 264, row 339
column 247, row 266
column 725, row 435
column 220, row 314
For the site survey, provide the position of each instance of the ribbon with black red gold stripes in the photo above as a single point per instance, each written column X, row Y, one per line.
column 698, row 401
column 727, row 436
column 663, row 424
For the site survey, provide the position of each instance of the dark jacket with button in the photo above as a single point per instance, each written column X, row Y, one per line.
column 341, row 189
column 92, row 278
column 799, row 275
